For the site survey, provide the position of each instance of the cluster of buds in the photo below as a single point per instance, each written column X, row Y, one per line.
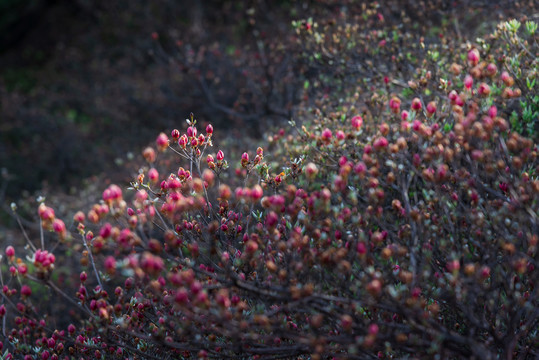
column 218, row 165
column 246, row 163
column 44, row 262
column 395, row 104
column 183, row 174
column 97, row 212
column 249, row 194
column 113, row 199
column 50, row 222
column 192, row 139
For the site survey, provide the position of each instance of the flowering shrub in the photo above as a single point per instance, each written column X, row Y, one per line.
column 407, row 230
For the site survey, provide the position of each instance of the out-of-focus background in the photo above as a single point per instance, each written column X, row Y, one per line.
column 85, row 83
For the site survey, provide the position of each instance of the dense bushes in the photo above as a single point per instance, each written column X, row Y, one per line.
column 398, row 219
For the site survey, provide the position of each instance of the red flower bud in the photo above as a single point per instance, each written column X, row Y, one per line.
column 357, row 122
column 162, row 142
column 26, row 291
column 182, row 141
column 484, row 89
column 220, row 155
column 431, row 108
column 416, row 104
column 326, row 135
column 10, row 251
column 473, row 56
column 468, row 82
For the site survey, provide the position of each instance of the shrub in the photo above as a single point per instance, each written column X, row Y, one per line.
column 406, row 230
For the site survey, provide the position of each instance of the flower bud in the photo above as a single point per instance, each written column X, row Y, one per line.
column 244, row 159
column 491, row 69
column 162, row 142
column 416, row 104
column 10, row 251
column 431, row 108
column 395, row 104
column 507, row 79
column 357, row 122
column 326, row 135
column 182, row 141
column 149, row 154
column 484, row 89
column 220, row 155
column 473, row 57
column 311, row 170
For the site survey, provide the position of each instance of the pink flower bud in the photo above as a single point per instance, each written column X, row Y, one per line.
column 10, row 251
column 453, row 96
column 340, row 135
column 45, row 213
column 468, row 82
column 191, row 131
column 357, row 122
column 404, row 115
column 257, row 192
column 162, row 142
column 201, row 140
column 373, row 329
column 507, row 79
column 209, row 129
column 209, row 177
column 311, row 170
column 473, row 56
column 492, row 111
column 182, row 141
column 453, row 265
column 326, row 134
column 491, row 69
column 83, row 276
column 149, row 154
column 22, row 269
column 110, row 265
column 153, row 175
column 175, row 134
column 431, row 108
column 485, row 272
column 26, row 291
column 416, row 104
column 79, row 217
column 220, row 155
column 58, row 226
column 224, row 192
column 484, row 89
column 380, row 143
column 395, row 104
